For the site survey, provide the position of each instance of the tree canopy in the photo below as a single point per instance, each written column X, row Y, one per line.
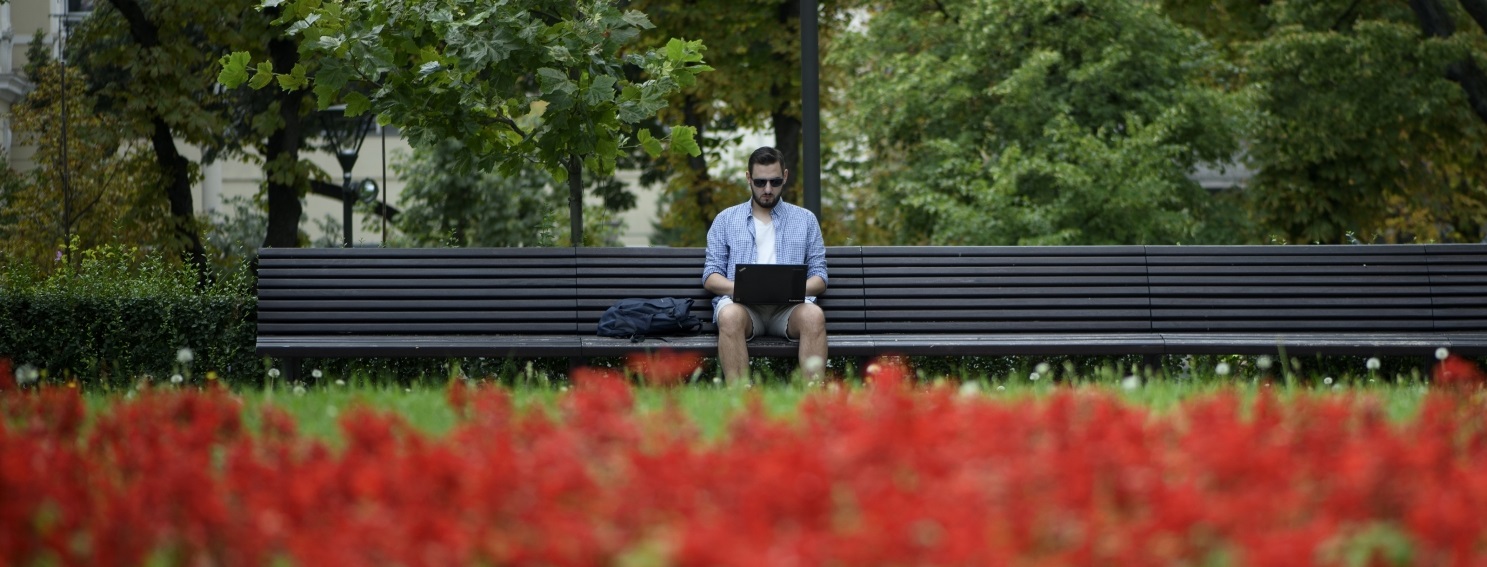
column 1036, row 121
column 533, row 81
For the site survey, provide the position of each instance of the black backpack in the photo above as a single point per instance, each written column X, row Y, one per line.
column 636, row 319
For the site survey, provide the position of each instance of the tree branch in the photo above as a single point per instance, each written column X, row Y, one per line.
column 941, row 7
column 1477, row 9
column 1343, row 18
column 1435, row 21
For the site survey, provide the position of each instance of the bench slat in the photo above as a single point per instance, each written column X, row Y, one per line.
column 395, row 327
column 394, row 345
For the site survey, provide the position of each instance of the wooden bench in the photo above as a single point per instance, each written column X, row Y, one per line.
column 1084, row 300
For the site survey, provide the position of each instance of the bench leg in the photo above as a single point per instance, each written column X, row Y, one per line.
column 1151, row 364
column 290, row 372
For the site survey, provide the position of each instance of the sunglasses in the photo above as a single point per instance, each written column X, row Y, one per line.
column 773, row 182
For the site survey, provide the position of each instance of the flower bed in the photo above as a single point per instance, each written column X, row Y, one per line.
column 883, row 476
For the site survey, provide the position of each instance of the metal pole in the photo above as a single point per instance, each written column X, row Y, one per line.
column 66, row 163
column 810, row 104
column 347, row 198
column 383, row 189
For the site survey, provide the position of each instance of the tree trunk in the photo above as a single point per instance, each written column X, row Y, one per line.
column 1435, row 21
column 176, row 170
column 575, row 201
column 173, row 166
column 282, row 151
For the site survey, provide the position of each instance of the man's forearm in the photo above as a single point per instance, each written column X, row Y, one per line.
column 721, row 285
column 815, row 286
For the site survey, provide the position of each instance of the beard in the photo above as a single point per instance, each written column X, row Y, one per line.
column 769, row 205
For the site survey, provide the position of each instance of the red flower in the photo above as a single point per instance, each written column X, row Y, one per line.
column 1456, row 372
column 888, row 372
column 664, row 368
column 7, row 376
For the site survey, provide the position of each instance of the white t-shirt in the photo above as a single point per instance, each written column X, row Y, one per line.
column 764, row 242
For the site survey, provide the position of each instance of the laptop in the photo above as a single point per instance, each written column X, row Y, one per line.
column 764, row 284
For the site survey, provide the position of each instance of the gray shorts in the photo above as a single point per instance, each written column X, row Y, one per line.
column 774, row 319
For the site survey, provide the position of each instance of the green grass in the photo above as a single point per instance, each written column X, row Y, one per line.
column 421, row 400
column 317, row 409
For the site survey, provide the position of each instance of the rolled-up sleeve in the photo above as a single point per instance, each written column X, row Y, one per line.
column 716, row 261
column 815, row 251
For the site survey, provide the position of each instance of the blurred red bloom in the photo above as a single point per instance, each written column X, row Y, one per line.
column 1459, row 373
column 665, row 367
column 7, row 376
column 888, row 372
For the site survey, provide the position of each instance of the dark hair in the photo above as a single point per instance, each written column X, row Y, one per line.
column 765, row 156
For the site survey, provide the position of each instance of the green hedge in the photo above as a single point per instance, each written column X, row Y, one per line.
column 117, row 317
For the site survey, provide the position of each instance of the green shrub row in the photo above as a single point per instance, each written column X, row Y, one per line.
column 115, row 316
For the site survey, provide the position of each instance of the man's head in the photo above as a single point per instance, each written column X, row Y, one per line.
column 767, row 176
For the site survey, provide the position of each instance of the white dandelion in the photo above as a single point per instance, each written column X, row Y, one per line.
column 1130, row 382
column 1442, row 353
column 185, row 356
column 1264, row 362
column 273, row 373
column 1034, row 376
column 1042, row 368
column 26, row 374
column 1372, row 364
column 177, row 379
column 1327, row 380
column 316, row 373
column 1222, row 369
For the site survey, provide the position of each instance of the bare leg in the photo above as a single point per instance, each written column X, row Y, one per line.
column 808, row 323
column 734, row 326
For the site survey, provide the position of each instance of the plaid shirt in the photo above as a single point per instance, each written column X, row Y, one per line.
column 730, row 241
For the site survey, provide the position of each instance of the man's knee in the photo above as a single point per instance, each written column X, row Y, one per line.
column 733, row 319
column 810, row 319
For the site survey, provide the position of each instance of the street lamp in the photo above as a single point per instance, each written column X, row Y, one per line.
column 345, row 134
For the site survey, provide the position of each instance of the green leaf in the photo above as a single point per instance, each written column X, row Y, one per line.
column 649, row 143
column 676, row 50
column 324, row 95
column 234, row 69
column 357, row 104
column 638, row 19
column 262, row 76
column 684, row 140
column 302, row 25
column 295, row 79
column 600, row 91
column 553, row 80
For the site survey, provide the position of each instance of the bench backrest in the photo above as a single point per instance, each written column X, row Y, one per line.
column 1299, row 289
column 426, row 291
column 924, row 291
column 493, row 291
column 972, row 290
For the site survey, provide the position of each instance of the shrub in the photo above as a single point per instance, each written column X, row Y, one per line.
column 118, row 315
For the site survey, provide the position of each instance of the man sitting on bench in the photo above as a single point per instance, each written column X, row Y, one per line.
column 766, row 230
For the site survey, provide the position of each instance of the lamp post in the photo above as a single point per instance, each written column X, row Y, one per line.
column 345, row 135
